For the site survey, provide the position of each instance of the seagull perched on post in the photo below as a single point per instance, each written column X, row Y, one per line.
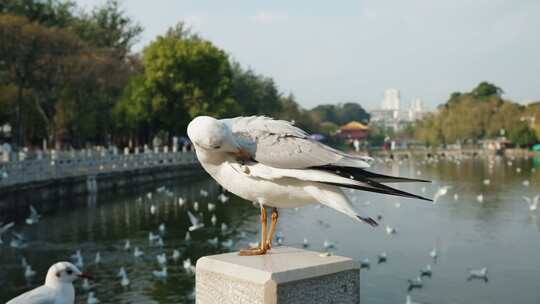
column 275, row 164
column 58, row 286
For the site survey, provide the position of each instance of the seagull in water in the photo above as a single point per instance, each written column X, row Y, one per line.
column 480, row 274
column 160, row 274
column 17, row 241
column 4, row 229
column 415, row 284
column 275, row 164
column 381, row 258
column 533, row 203
column 123, row 275
column 137, row 252
column 34, row 216
column 433, row 254
column 58, row 286
column 195, row 222
column 408, row 300
column 29, row 272
column 442, row 191
column 92, row 298
column 427, row 272
column 365, row 264
column 188, row 266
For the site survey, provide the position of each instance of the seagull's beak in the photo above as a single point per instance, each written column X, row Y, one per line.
column 85, row 275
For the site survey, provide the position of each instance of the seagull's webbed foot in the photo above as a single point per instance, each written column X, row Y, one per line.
column 263, row 244
column 252, row 251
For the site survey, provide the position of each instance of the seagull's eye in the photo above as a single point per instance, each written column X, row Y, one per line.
column 69, row 271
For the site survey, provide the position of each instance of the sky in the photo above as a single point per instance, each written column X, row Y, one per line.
column 351, row 51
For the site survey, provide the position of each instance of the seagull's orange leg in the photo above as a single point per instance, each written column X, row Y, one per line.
column 262, row 246
column 274, row 219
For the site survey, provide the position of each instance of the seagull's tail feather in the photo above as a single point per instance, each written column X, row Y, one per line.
column 368, row 220
column 334, row 198
column 373, row 186
column 361, row 174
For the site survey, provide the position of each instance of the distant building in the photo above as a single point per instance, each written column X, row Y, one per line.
column 391, row 115
column 391, row 100
column 353, row 130
column 416, row 110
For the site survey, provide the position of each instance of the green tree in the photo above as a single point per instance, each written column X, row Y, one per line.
column 48, row 12
column 187, row 76
column 341, row 114
column 486, row 89
column 255, row 94
column 108, row 27
column 32, row 59
column 522, row 135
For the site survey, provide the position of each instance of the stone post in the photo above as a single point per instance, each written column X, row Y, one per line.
column 283, row 276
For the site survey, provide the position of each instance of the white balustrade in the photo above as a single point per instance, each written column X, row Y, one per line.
column 58, row 164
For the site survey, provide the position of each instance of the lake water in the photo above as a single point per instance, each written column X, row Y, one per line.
column 500, row 233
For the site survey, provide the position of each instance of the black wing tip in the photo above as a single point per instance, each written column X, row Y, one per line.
column 420, row 197
column 368, row 220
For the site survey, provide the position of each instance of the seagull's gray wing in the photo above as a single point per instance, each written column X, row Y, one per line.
column 40, row 295
column 6, row 227
column 193, row 219
column 279, row 144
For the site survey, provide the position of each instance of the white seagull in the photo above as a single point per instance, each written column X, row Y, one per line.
column 275, row 164
column 58, row 286
column 188, row 266
column 162, row 258
column 533, row 203
column 442, row 191
column 4, row 229
column 34, row 216
column 92, row 298
column 124, row 281
column 181, row 201
column 137, row 252
column 223, row 198
column 160, row 274
column 480, row 274
column 29, row 272
column 195, row 222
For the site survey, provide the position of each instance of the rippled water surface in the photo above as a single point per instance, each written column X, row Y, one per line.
column 500, row 233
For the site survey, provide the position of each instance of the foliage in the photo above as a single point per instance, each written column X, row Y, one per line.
column 108, row 27
column 532, row 113
column 186, row 76
column 66, row 79
column 256, row 94
column 51, row 13
column 522, row 135
column 341, row 114
column 471, row 116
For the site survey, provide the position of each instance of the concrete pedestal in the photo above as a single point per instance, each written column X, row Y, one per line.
column 283, row 276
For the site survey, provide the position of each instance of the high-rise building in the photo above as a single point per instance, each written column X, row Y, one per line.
column 391, row 100
column 416, row 109
column 391, row 116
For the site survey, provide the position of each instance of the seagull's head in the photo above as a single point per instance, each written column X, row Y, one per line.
column 64, row 272
column 211, row 134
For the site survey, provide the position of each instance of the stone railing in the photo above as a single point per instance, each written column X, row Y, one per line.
column 57, row 165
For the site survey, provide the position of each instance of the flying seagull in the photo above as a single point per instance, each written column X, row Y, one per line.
column 275, row 164
column 58, row 286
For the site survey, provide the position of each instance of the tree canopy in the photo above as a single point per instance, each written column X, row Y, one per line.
column 479, row 114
